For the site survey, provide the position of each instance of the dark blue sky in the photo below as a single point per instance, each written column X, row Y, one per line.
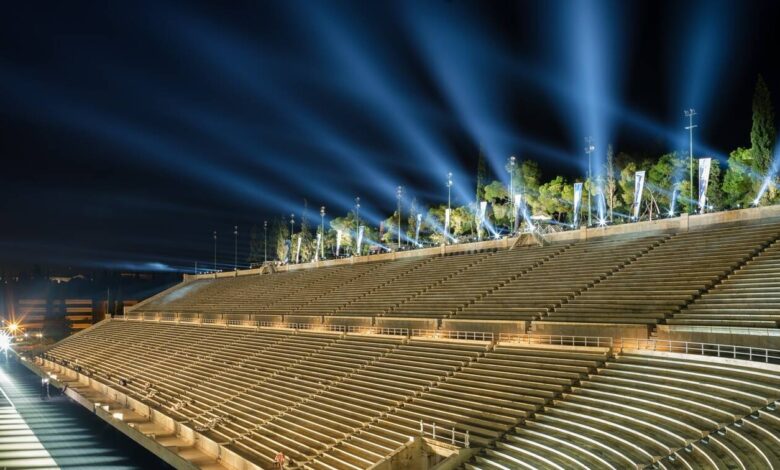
column 130, row 130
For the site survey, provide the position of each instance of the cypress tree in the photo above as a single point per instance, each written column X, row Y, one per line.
column 762, row 134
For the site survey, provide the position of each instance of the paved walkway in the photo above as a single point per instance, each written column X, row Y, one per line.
column 66, row 435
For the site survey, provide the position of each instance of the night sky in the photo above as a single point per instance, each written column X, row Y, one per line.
column 129, row 131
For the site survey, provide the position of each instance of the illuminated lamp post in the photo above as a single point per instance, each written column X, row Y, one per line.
column 398, row 194
column 265, row 241
column 322, row 231
column 357, row 222
column 690, row 113
column 215, row 251
column 449, row 202
column 511, row 168
column 589, row 149
column 292, row 232
column 235, row 248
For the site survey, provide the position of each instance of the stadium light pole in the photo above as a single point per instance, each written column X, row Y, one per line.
column 690, row 113
column 215, row 251
column 322, row 232
column 511, row 167
column 265, row 241
column 235, row 248
column 399, row 194
column 589, row 148
column 357, row 221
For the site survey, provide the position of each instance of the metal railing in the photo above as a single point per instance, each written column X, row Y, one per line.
column 445, row 434
column 748, row 353
column 558, row 340
column 447, row 334
column 730, row 351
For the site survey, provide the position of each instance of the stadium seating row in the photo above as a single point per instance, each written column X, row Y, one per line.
column 347, row 401
column 719, row 276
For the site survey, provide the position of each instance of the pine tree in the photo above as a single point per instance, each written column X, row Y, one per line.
column 762, row 135
column 481, row 176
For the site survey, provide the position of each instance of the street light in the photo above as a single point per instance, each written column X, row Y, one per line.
column 690, row 113
column 265, row 241
column 449, row 190
column 512, row 163
column 399, row 193
column 357, row 222
column 215, row 251
column 235, row 248
column 589, row 149
column 322, row 231
column 292, row 231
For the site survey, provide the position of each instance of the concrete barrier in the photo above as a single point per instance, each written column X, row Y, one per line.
column 266, row 318
column 348, row 321
column 615, row 330
column 305, row 319
column 410, row 323
column 749, row 337
column 489, row 326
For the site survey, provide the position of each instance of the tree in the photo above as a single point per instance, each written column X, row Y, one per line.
column 739, row 187
column 663, row 175
column 281, row 235
column 346, row 225
column 610, row 186
column 256, row 245
column 481, row 176
column 555, row 198
column 498, row 196
column 762, row 134
column 626, row 184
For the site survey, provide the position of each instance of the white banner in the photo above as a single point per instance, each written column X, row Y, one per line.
column 338, row 242
column 319, row 246
column 359, row 239
column 447, row 221
column 602, row 206
column 481, row 218
column 417, row 230
column 518, row 202
column 704, row 180
column 639, row 187
column 576, row 204
column 298, row 250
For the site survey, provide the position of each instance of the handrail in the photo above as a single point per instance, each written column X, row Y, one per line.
column 749, row 353
column 454, row 334
column 558, row 340
column 443, row 434
column 731, row 351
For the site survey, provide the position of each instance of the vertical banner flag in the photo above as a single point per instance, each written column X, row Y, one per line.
column 319, row 244
column 359, row 239
column 577, row 199
column 287, row 251
column 518, row 202
column 481, row 218
column 417, row 230
column 298, row 250
column 602, row 208
column 338, row 242
column 639, row 186
column 447, row 221
column 704, row 180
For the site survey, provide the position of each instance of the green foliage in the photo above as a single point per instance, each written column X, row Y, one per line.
column 281, row 231
column 626, row 185
column 739, row 186
column 610, row 183
column 481, row 176
column 762, row 134
column 555, row 197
